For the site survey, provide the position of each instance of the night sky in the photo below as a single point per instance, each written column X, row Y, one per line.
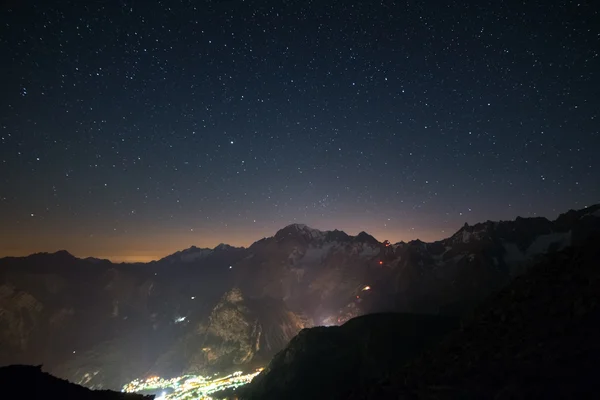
column 132, row 129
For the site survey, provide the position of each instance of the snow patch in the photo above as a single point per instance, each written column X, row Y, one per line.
column 514, row 256
column 193, row 255
column 314, row 255
column 542, row 243
column 466, row 236
column 368, row 251
column 312, row 233
column 438, row 259
column 295, row 255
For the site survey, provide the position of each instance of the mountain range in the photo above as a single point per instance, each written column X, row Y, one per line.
column 103, row 324
column 535, row 338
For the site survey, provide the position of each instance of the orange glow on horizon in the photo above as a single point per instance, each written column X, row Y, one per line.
column 145, row 245
column 131, row 258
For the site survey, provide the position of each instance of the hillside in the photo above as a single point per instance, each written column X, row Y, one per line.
column 331, row 362
column 30, row 382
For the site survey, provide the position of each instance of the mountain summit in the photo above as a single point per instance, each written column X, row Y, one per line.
column 299, row 231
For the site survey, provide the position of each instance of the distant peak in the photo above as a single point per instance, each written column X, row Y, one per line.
column 299, row 229
column 572, row 215
column 364, row 237
column 294, row 227
column 96, row 260
column 192, row 253
column 194, row 248
column 63, row 253
column 223, row 246
column 337, row 236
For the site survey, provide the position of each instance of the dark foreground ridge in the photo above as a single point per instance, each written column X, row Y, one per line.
column 332, row 362
column 537, row 338
column 30, row 382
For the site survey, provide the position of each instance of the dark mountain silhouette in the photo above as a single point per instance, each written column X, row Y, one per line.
column 30, row 382
column 537, row 338
column 332, row 362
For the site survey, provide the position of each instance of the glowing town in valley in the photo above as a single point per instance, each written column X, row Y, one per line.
column 189, row 387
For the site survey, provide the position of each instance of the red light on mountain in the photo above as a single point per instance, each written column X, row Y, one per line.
column 380, row 262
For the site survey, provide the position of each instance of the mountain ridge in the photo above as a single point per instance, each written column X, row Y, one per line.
column 328, row 235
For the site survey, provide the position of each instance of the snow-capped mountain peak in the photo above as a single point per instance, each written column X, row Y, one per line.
column 302, row 230
column 224, row 246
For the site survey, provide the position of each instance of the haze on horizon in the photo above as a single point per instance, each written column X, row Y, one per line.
column 152, row 246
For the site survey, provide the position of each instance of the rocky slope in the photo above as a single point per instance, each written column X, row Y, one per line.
column 238, row 332
column 103, row 324
column 29, row 382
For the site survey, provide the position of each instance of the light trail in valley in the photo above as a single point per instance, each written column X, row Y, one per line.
column 190, row 387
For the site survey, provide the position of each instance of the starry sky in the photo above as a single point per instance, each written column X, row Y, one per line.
column 132, row 129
